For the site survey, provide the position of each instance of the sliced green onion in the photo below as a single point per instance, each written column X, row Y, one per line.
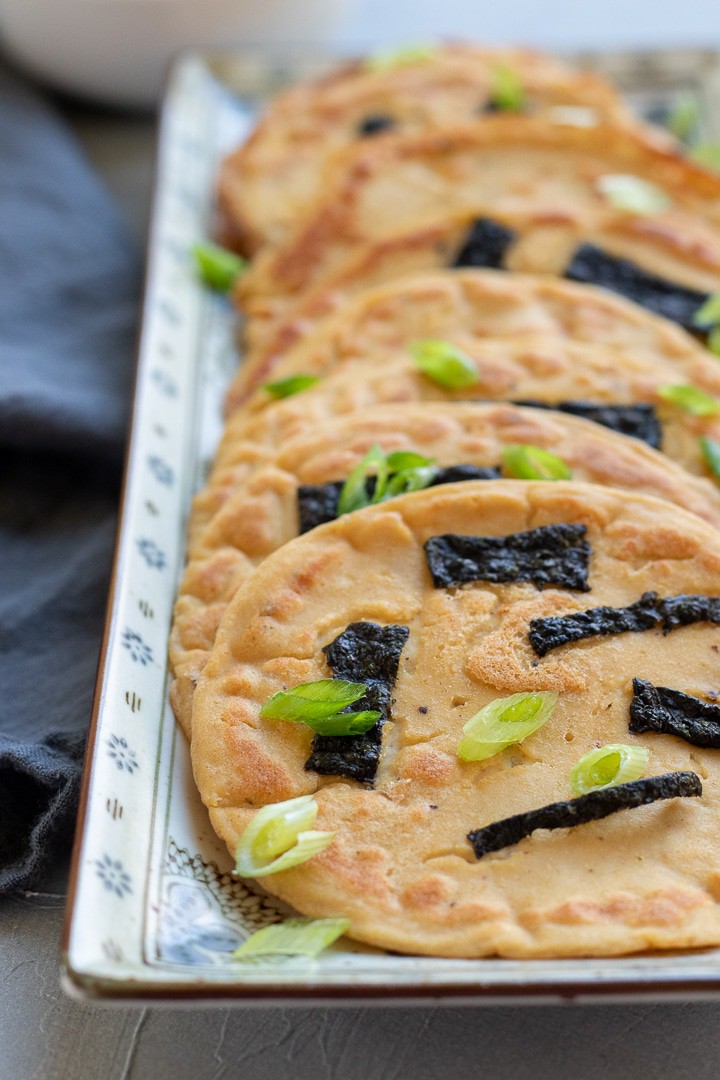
column 690, row 398
column 217, row 266
column 631, row 193
column 507, row 91
column 279, row 837
column 407, row 480
column 707, row 154
column 313, row 701
column 708, row 314
column 574, row 116
column 354, row 495
column 607, row 766
column 711, row 452
column 294, row 384
column 294, row 937
column 684, row 117
column 401, row 460
column 713, row 340
column 503, row 722
column 318, row 705
column 527, row 462
column 392, row 58
column 444, row 364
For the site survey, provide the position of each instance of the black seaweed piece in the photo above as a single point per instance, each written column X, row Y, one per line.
column 550, row 555
column 374, row 125
column 317, row 503
column 637, row 421
column 670, row 712
column 370, row 653
column 556, row 630
column 590, row 807
column 683, row 610
column 594, row 266
column 667, row 613
column 485, row 245
column 455, row 474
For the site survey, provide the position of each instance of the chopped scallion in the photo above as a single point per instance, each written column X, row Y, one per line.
column 279, row 837
column 713, row 340
column 392, row 58
column 354, row 495
column 444, row 364
column 527, row 462
column 318, row 705
column 218, row 267
column 708, row 314
column 507, row 91
column 684, row 117
column 294, row 937
column 632, row 194
column 707, row 154
column 313, row 701
column 607, row 766
column 294, row 384
column 397, row 473
column 690, row 398
column 503, row 723
column 711, row 452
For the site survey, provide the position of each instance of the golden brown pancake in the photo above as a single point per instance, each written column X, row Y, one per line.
column 260, row 514
column 530, row 339
column 266, row 183
column 400, row 866
column 541, row 181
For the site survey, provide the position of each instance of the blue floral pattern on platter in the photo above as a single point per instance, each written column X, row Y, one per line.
column 161, row 470
column 121, row 754
column 139, row 651
column 205, row 914
column 113, row 876
column 151, row 553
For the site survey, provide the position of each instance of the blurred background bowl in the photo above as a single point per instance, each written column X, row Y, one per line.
column 116, row 51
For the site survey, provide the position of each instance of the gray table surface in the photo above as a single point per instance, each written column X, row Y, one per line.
column 45, row 1036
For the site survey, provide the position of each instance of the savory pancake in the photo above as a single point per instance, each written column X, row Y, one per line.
column 362, row 597
column 266, row 183
column 542, row 186
column 530, row 339
column 475, row 304
column 297, row 487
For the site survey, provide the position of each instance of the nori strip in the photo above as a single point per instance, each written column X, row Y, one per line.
column 550, row 555
column 374, row 125
column 369, row 653
column 594, row 266
column 317, row 503
column 670, row 712
column 590, row 807
column 485, row 245
column 649, row 611
column 455, row 474
column 637, row 421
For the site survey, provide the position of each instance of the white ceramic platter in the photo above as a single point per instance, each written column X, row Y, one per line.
column 153, row 911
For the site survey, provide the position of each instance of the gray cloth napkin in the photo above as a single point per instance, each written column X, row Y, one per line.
column 69, row 283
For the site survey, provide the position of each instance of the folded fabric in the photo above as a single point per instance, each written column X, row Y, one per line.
column 69, row 284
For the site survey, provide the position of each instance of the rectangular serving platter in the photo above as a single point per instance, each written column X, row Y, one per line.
column 153, row 911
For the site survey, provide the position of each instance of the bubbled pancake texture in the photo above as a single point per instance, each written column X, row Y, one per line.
column 400, row 866
column 245, row 520
column 353, row 239
column 266, row 184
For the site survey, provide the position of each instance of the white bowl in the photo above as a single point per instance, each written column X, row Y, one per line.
column 116, row 51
